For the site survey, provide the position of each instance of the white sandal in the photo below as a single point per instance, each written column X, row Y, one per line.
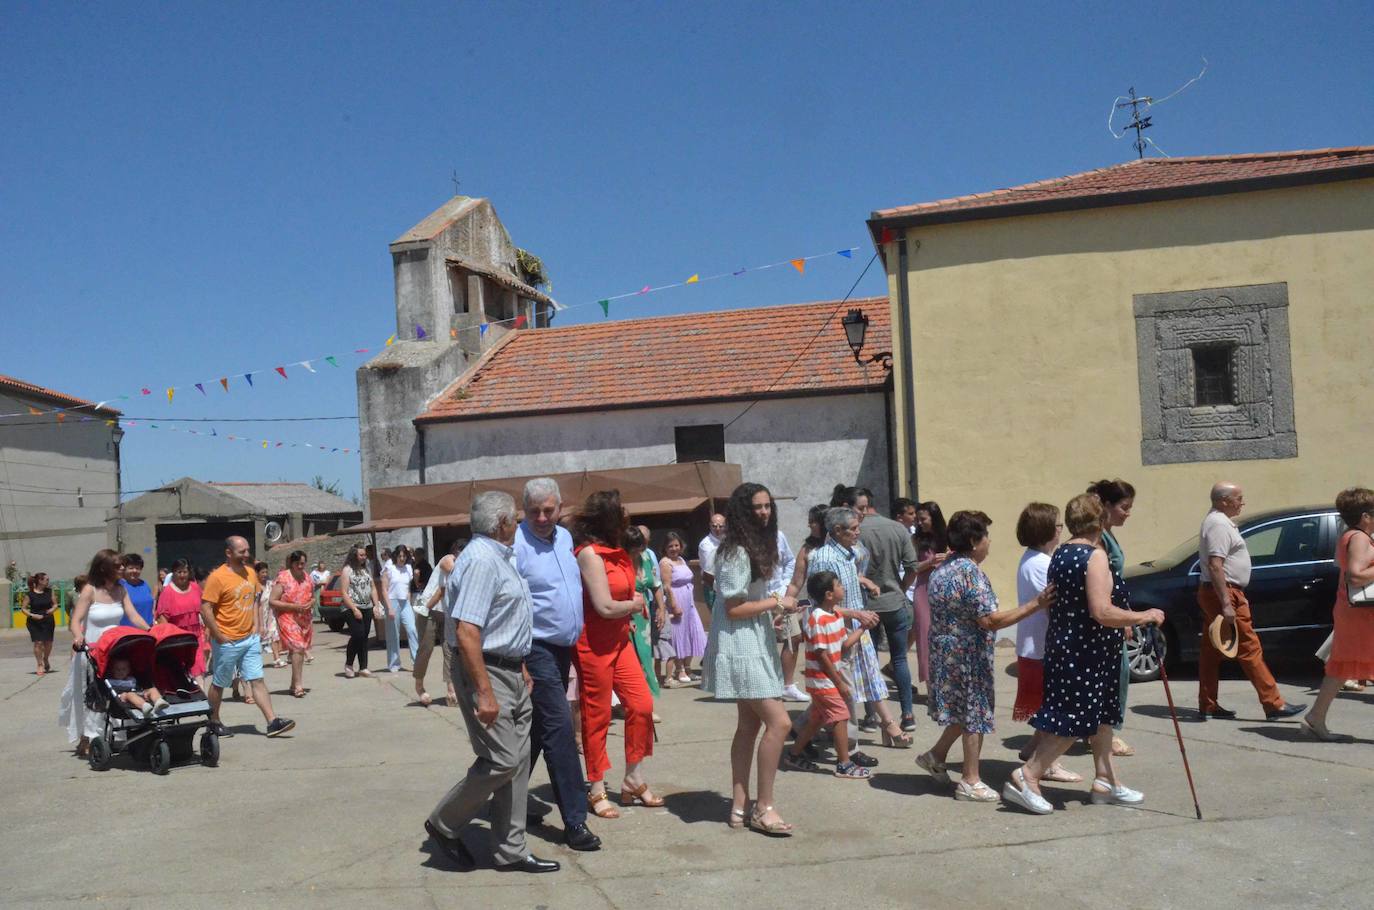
column 978, row 793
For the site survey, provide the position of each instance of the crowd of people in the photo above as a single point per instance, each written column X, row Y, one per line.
column 554, row 625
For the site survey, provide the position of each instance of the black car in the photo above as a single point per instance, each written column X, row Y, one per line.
column 1291, row 592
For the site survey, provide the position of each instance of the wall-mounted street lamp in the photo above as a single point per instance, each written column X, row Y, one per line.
column 855, row 331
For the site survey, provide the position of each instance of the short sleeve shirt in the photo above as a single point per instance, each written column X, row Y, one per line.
column 486, row 590
column 1221, row 537
column 706, row 554
column 233, row 598
column 1031, row 577
column 824, row 635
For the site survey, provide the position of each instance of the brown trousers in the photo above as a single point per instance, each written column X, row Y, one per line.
column 1249, row 654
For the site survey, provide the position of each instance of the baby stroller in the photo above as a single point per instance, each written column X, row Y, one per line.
column 158, row 658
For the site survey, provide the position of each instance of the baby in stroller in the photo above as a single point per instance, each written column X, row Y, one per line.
column 120, row 677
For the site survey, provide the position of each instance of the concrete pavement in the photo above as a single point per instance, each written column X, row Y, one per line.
column 331, row 815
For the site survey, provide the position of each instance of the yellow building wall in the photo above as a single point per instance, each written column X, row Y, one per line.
column 1024, row 344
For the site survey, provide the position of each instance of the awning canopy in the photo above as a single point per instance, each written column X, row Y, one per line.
column 651, row 490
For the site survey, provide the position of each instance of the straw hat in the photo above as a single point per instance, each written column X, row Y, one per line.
column 1214, row 632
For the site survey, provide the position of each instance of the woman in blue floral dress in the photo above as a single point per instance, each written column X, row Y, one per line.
column 963, row 621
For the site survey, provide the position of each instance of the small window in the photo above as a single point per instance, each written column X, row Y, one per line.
column 1212, row 376
column 700, row 443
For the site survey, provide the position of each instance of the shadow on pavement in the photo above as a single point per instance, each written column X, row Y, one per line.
column 1295, row 734
column 694, row 806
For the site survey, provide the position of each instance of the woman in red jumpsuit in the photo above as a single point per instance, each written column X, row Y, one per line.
column 606, row 658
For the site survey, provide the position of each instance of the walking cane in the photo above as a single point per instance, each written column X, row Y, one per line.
column 1164, row 676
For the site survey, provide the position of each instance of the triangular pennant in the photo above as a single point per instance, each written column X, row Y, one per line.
column 739, row 273
column 360, row 350
column 249, row 377
column 520, row 322
column 121, row 398
column 35, row 412
column 200, row 388
column 390, row 339
column 420, row 333
column 331, row 361
column 605, row 307
column 99, row 405
column 848, row 254
column 224, row 382
column 885, row 236
column 145, row 391
column 153, row 426
column 693, row 280
column 345, row 451
column 482, row 329
column 306, row 364
column 799, row 265
column 212, row 432
column 282, row 371
column 453, row 333
column 170, row 393
column 644, row 290
column 109, row 423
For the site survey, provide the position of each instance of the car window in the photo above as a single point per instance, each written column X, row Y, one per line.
column 1283, row 542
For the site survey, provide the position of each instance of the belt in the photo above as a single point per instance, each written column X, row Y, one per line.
column 505, row 663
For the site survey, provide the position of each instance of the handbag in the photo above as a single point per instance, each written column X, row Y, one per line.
column 1360, row 596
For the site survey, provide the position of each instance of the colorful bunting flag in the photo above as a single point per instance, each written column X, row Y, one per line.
column 420, row 333
column 482, row 329
column 693, row 280
column 200, row 388
column 644, row 290
column 249, row 377
column 848, row 254
column 390, row 339
column 146, row 391
column 605, row 307
column 170, row 393
column 520, row 321
column 799, row 265
column 453, row 333
column 34, row 411
column 885, row 237
column 109, row 423
column 306, row 364
column 281, row 370
column 224, row 383
column 264, row 443
column 331, row 361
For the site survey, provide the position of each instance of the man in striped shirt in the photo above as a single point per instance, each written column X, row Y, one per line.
column 826, row 644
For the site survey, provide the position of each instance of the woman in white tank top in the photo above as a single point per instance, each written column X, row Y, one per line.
column 102, row 605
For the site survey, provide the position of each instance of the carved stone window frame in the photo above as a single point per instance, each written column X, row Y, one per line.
column 1252, row 320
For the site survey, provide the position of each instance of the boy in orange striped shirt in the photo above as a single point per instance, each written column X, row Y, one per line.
column 826, row 645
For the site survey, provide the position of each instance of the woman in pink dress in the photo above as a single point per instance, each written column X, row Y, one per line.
column 688, row 634
column 293, row 595
column 932, row 546
column 178, row 603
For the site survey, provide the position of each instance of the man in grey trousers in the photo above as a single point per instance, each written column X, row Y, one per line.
column 491, row 608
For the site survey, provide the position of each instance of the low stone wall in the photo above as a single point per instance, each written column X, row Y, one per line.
column 330, row 549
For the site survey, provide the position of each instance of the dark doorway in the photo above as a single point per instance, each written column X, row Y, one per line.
column 201, row 544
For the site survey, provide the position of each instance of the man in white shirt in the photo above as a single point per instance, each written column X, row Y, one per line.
column 706, row 557
column 1224, row 562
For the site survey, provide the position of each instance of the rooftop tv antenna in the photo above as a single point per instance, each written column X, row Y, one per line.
column 1141, row 118
column 456, row 181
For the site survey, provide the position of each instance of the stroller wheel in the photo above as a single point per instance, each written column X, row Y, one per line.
column 160, row 758
column 100, row 755
column 209, row 749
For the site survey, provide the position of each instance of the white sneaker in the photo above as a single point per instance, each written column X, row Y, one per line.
column 792, row 693
column 1115, row 796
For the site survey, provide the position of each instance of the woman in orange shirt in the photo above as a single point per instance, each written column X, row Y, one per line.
column 606, row 658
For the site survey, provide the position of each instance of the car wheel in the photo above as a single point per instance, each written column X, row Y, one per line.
column 1146, row 653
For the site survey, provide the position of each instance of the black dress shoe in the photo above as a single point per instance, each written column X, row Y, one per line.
column 452, row 847
column 530, row 863
column 863, row 761
column 1219, row 713
column 1288, row 710
column 580, row 837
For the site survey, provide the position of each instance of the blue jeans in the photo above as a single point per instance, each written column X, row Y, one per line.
column 552, row 729
column 897, row 626
column 405, row 616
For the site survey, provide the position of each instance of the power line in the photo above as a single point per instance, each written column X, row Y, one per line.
column 808, row 345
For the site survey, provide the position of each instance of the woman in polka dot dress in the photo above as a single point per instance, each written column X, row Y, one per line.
column 1082, row 663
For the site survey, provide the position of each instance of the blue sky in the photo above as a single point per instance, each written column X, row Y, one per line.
column 192, row 190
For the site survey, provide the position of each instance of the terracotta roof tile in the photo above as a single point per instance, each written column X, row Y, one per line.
column 1145, row 180
column 60, row 399
column 731, row 354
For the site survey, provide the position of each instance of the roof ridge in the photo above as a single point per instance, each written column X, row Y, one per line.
column 664, row 317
